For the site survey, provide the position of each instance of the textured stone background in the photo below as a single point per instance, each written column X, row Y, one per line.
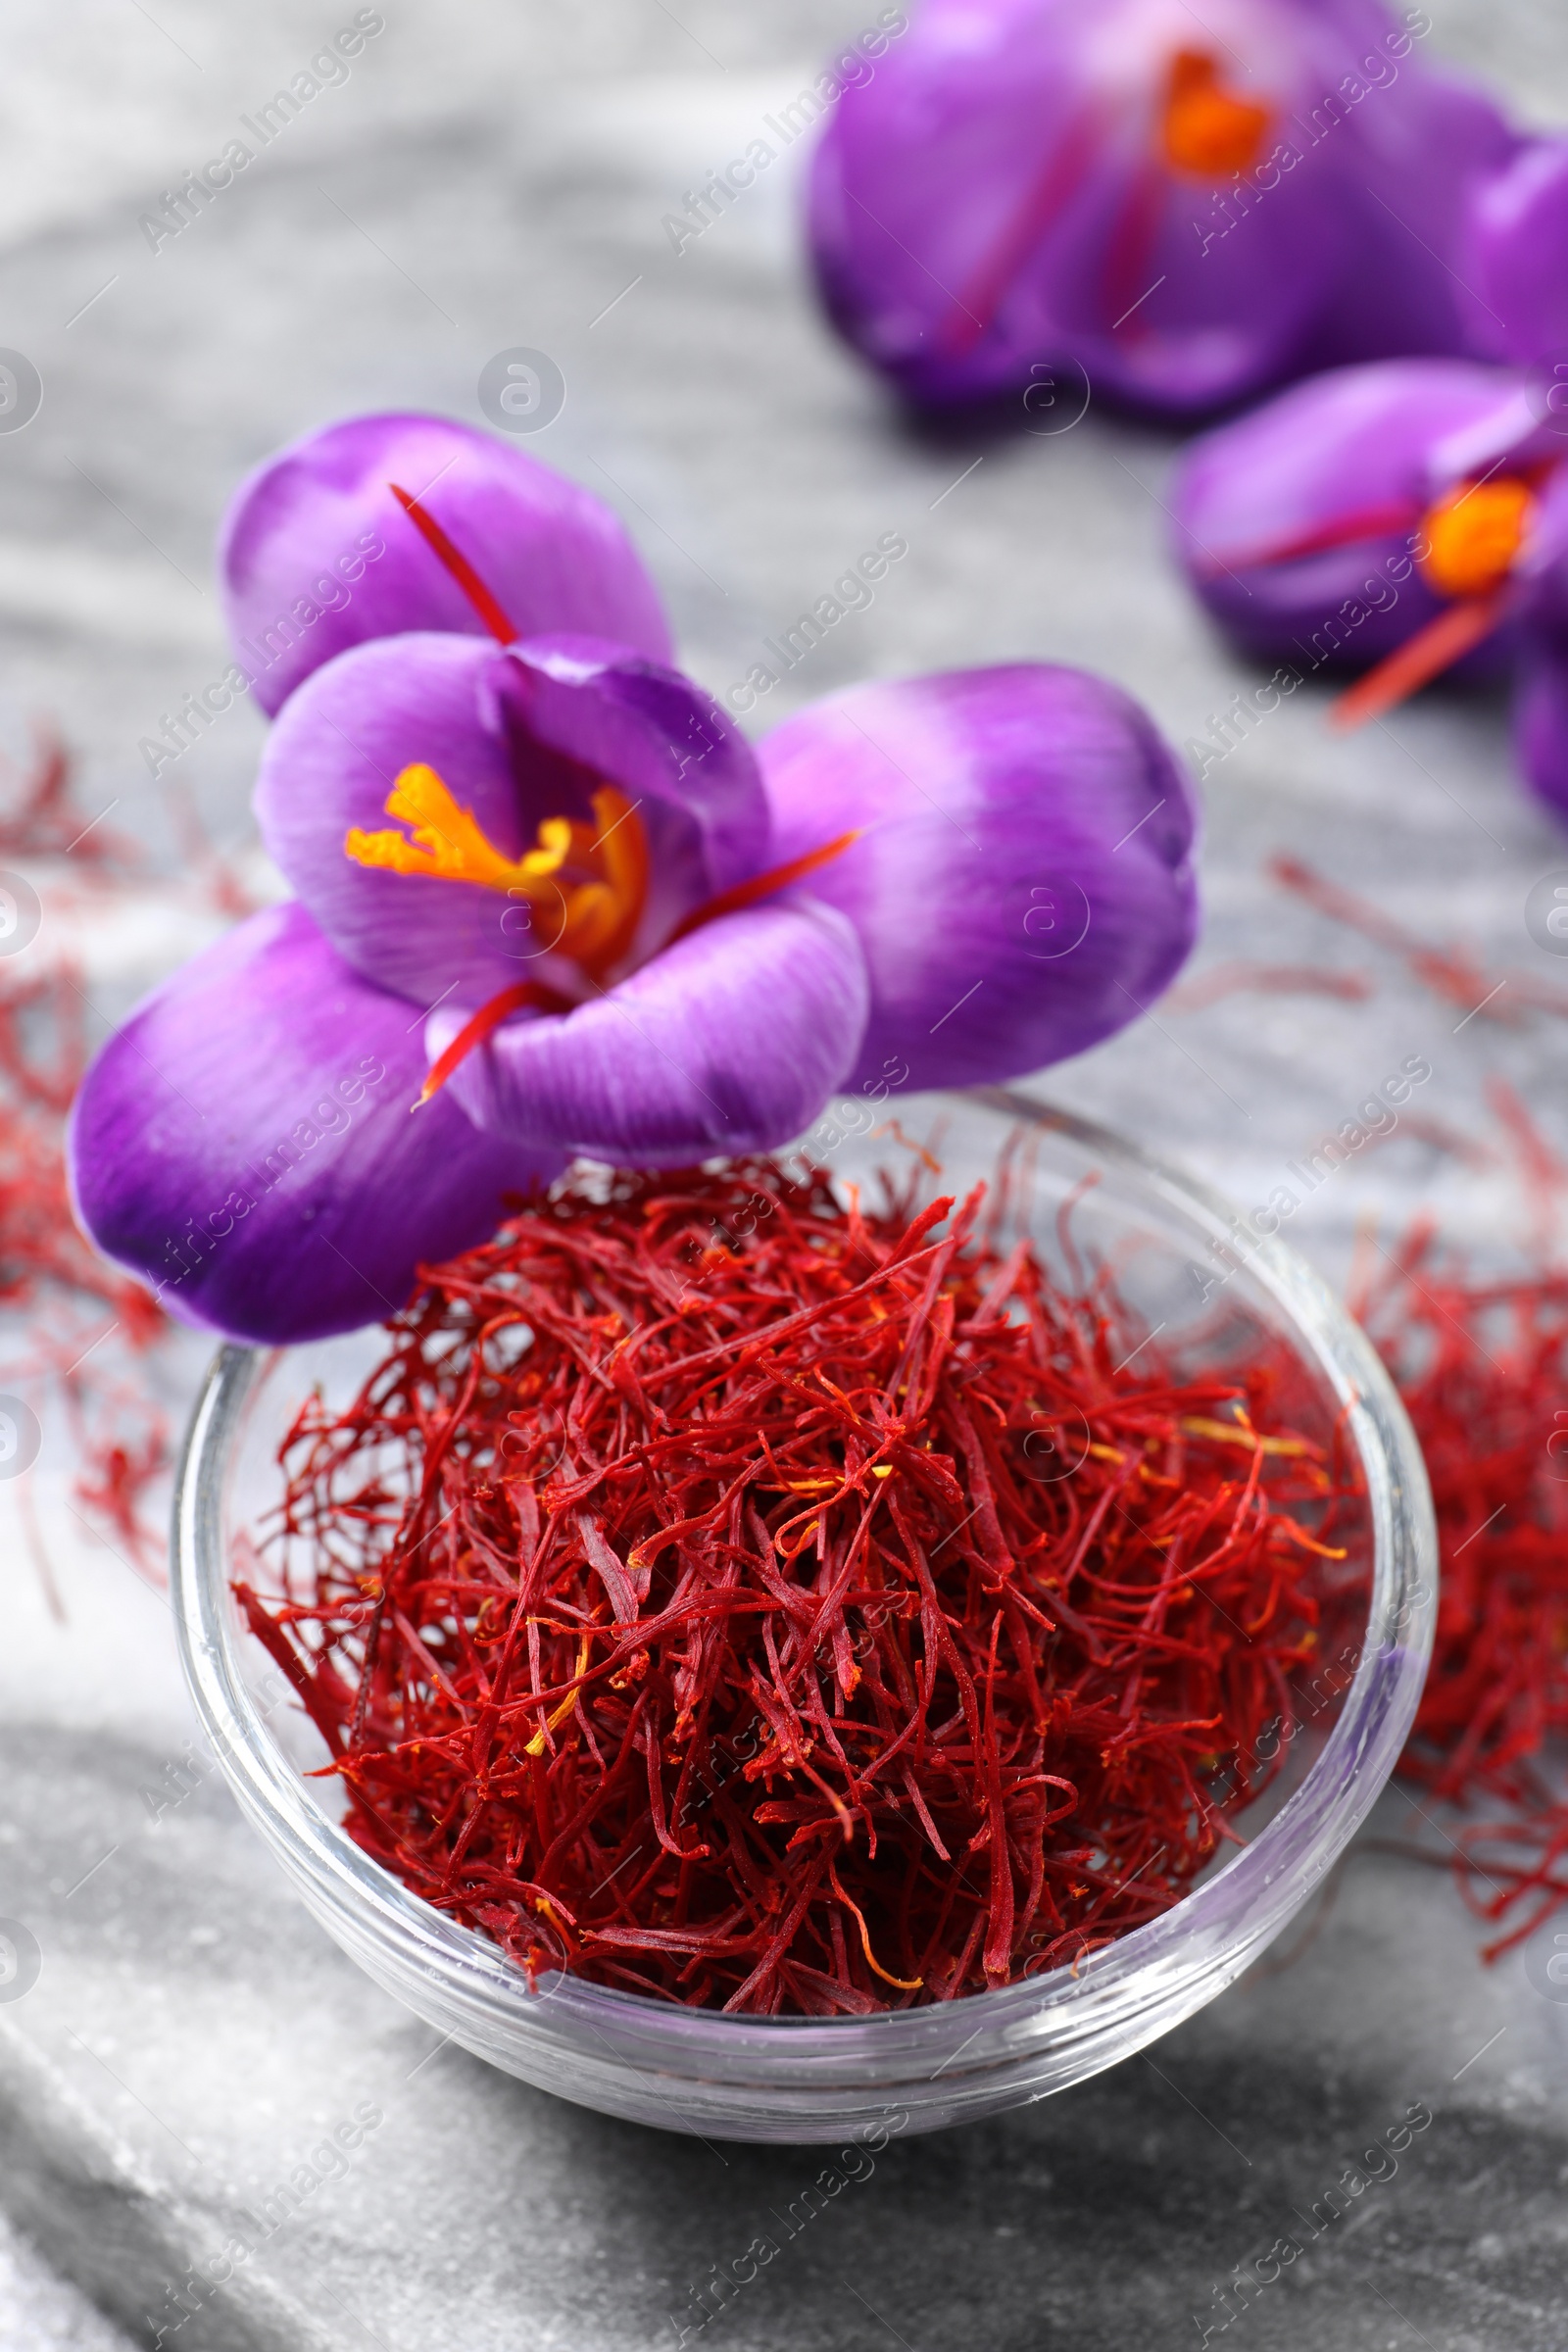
column 491, row 177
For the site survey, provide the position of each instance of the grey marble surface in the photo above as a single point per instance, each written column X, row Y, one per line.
column 494, row 178
column 43, row 2312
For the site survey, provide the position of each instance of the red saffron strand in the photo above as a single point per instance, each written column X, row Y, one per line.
column 457, row 563
column 758, row 887
column 1483, row 1369
column 65, row 1301
column 1452, row 972
column 1242, row 975
column 1316, row 539
column 717, row 1637
column 973, row 313
column 1454, row 632
column 479, row 1027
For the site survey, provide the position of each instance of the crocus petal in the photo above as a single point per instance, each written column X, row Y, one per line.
column 1214, row 320
column 317, row 554
column 649, row 729
column 1022, row 889
column 1356, row 457
column 244, row 1143
column 731, row 1041
column 330, row 762
column 517, row 736
column 1415, row 153
column 998, row 198
column 1513, row 267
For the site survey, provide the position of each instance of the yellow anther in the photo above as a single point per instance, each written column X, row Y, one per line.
column 587, row 881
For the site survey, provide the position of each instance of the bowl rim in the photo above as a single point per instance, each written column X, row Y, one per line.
column 1262, row 1884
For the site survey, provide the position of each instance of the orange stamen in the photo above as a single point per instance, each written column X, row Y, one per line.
column 1207, row 129
column 762, row 886
column 1469, row 542
column 587, row 881
column 1472, row 537
column 1421, row 658
column 461, row 571
column 477, row 1028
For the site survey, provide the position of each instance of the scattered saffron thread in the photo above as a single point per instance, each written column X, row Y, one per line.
column 61, row 1298
column 1483, row 1369
column 1241, row 976
column 1452, row 972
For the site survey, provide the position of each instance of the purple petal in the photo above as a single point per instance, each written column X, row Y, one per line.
column 244, row 1143
column 731, row 1041
column 1363, row 452
column 1513, row 264
column 1212, row 323
column 1022, row 889
column 330, row 763
column 994, row 200
column 516, row 737
column 1416, row 153
column 649, row 729
column 317, row 554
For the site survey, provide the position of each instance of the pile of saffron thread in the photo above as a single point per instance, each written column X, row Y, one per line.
column 819, row 1621
column 1483, row 1368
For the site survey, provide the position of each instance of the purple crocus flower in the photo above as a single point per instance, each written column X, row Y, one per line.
column 1407, row 519
column 545, row 892
column 1299, row 524
column 1186, row 204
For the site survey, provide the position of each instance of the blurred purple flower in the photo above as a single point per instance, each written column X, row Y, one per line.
column 1404, row 520
column 1185, row 206
column 597, row 923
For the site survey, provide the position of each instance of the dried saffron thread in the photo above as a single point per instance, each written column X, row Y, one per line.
column 62, row 1301
column 45, row 821
column 693, row 1615
column 1483, row 1369
column 1451, row 973
column 1231, row 978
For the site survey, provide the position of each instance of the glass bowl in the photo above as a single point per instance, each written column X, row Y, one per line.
column 1184, row 1264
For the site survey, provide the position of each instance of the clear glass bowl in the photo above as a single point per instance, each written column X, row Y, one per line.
column 1179, row 1265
